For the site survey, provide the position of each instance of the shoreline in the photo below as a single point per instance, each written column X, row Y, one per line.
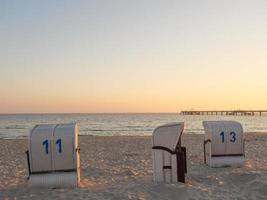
column 184, row 133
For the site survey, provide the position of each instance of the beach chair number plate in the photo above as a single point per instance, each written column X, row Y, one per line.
column 232, row 136
column 46, row 145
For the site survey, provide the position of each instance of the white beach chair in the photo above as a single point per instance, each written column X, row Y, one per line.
column 224, row 143
column 54, row 156
column 169, row 158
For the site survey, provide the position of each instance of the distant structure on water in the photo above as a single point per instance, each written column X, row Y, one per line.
column 225, row 112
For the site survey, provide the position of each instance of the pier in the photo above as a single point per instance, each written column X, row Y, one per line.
column 225, row 112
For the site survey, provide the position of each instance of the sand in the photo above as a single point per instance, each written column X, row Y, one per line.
column 120, row 167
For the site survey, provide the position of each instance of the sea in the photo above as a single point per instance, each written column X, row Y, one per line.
column 135, row 124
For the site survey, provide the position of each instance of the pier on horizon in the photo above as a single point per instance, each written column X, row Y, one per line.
column 224, row 112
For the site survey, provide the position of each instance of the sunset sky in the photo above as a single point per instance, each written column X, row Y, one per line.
column 132, row 56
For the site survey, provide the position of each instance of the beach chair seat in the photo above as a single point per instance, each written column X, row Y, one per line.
column 168, row 156
column 223, row 144
column 53, row 156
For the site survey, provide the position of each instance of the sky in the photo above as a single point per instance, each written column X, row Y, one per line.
column 132, row 56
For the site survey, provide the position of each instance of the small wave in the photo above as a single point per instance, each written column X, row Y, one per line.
column 195, row 129
column 190, row 132
column 94, row 130
column 14, row 127
column 14, row 138
column 134, row 126
column 114, row 130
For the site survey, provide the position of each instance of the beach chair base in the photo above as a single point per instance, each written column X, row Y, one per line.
column 54, row 180
column 175, row 170
column 227, row 161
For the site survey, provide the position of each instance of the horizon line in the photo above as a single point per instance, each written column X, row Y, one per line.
column 18, row 113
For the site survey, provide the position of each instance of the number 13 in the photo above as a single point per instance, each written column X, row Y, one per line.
column 232, row 134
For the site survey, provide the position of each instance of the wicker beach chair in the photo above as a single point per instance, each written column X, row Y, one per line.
column 169, row 157
column 53, row 156
column 224, row 143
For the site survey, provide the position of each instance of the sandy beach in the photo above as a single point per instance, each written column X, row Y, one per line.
column 120, row 167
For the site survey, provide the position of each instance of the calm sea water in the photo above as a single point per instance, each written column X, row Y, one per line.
column 19, row 125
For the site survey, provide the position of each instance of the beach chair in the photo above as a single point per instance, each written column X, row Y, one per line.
column 168, row 156
column 223, row 144
column 53, row 156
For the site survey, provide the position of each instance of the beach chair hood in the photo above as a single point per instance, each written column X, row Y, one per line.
column 168, row 135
